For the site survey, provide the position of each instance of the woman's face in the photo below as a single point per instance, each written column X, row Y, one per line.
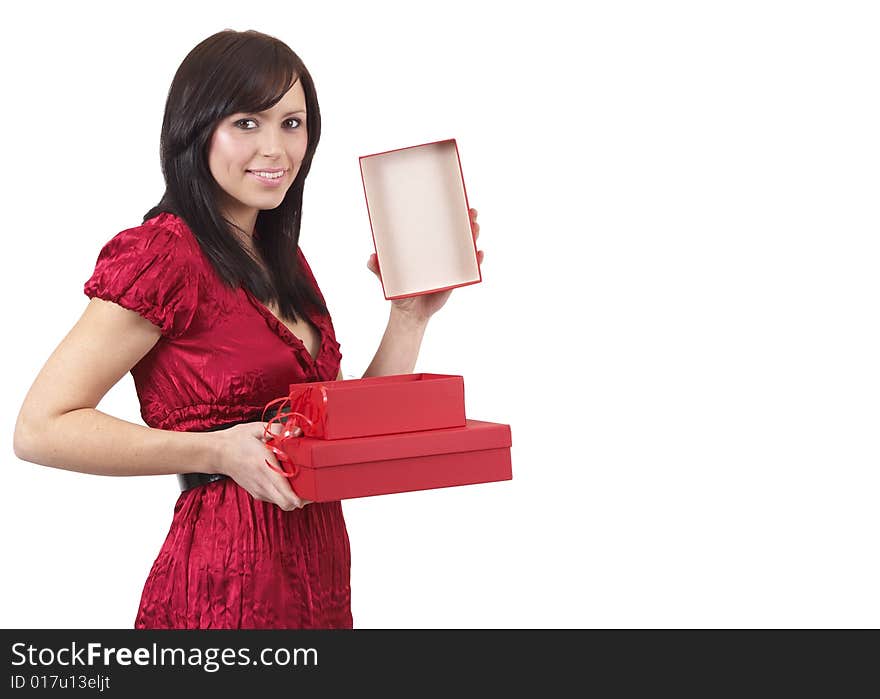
column 244, row 145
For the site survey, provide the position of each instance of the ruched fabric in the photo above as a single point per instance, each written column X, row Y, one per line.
column 228, row 561
column 142, row 269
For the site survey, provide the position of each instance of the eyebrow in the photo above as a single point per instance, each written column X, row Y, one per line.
column 295, row 111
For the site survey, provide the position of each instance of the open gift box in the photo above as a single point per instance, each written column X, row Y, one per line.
column 379, row 404
column 418, row 210
column 325, row 470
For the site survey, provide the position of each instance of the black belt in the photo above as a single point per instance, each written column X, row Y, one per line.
column 191, row 480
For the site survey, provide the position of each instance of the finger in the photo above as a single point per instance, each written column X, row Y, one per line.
column 294, row 500
column 271, row 463
column 480, row 257
column 286, row 499
column 473, row 213
column 274, row 429
column 373, row 265
column 283, row 494
column 295, row 431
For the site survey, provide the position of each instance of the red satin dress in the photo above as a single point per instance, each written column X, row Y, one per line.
column 228, row 561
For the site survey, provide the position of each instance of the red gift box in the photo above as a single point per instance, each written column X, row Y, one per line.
column 419, row 218
column 325, row 470
column 379, row 405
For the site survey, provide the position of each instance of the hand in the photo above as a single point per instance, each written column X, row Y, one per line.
column 243, row 455
column 424, row 306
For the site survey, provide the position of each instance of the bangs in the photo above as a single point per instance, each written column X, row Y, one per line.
column 260, row 80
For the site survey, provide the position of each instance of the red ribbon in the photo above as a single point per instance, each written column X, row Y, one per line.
column 305, row 401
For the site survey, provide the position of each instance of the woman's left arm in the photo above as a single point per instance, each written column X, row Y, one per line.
column 399, row 347
column 409, row 317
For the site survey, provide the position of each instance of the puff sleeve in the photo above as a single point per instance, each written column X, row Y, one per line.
column 149, row 270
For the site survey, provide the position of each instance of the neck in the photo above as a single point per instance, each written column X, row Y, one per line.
column 244, row 219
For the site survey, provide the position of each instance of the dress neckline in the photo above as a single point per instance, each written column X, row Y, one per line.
column 271, row 319
column 284, row 332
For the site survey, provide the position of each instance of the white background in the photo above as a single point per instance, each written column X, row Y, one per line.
column 678, row 316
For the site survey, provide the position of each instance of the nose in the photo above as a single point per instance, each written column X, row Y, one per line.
column 271, row 144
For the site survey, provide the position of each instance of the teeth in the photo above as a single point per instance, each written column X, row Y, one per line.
column 268, row 175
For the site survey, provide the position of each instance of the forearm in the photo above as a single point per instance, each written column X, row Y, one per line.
column 89, row 441
column 399, row 348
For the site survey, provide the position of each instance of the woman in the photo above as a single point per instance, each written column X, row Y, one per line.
column 213, row 308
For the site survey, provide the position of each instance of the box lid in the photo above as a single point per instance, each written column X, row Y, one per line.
column 311, row 452
column 418, row 210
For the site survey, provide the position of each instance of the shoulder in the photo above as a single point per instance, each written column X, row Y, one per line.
column 162, row 246
column 164, row 235
column 154, row 269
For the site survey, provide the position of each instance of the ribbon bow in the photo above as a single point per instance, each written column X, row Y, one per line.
column 306, row 401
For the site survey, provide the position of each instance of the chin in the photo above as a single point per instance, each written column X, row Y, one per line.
column 263, row 207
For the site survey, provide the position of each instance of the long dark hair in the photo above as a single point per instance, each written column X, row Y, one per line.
column 227, row 73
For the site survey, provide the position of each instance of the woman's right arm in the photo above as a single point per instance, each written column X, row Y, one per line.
column 59, row 426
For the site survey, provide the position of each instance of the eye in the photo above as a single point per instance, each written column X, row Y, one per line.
column 242, row 121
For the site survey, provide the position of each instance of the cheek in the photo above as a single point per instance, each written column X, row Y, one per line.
column 300, row 147
column 228, row 154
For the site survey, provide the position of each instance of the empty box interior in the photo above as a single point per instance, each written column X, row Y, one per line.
column 419, row 215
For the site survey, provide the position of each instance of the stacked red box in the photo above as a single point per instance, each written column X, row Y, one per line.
column 382, row 404
column 386, row 434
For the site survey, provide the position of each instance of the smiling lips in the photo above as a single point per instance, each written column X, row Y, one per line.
column 270, row 178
